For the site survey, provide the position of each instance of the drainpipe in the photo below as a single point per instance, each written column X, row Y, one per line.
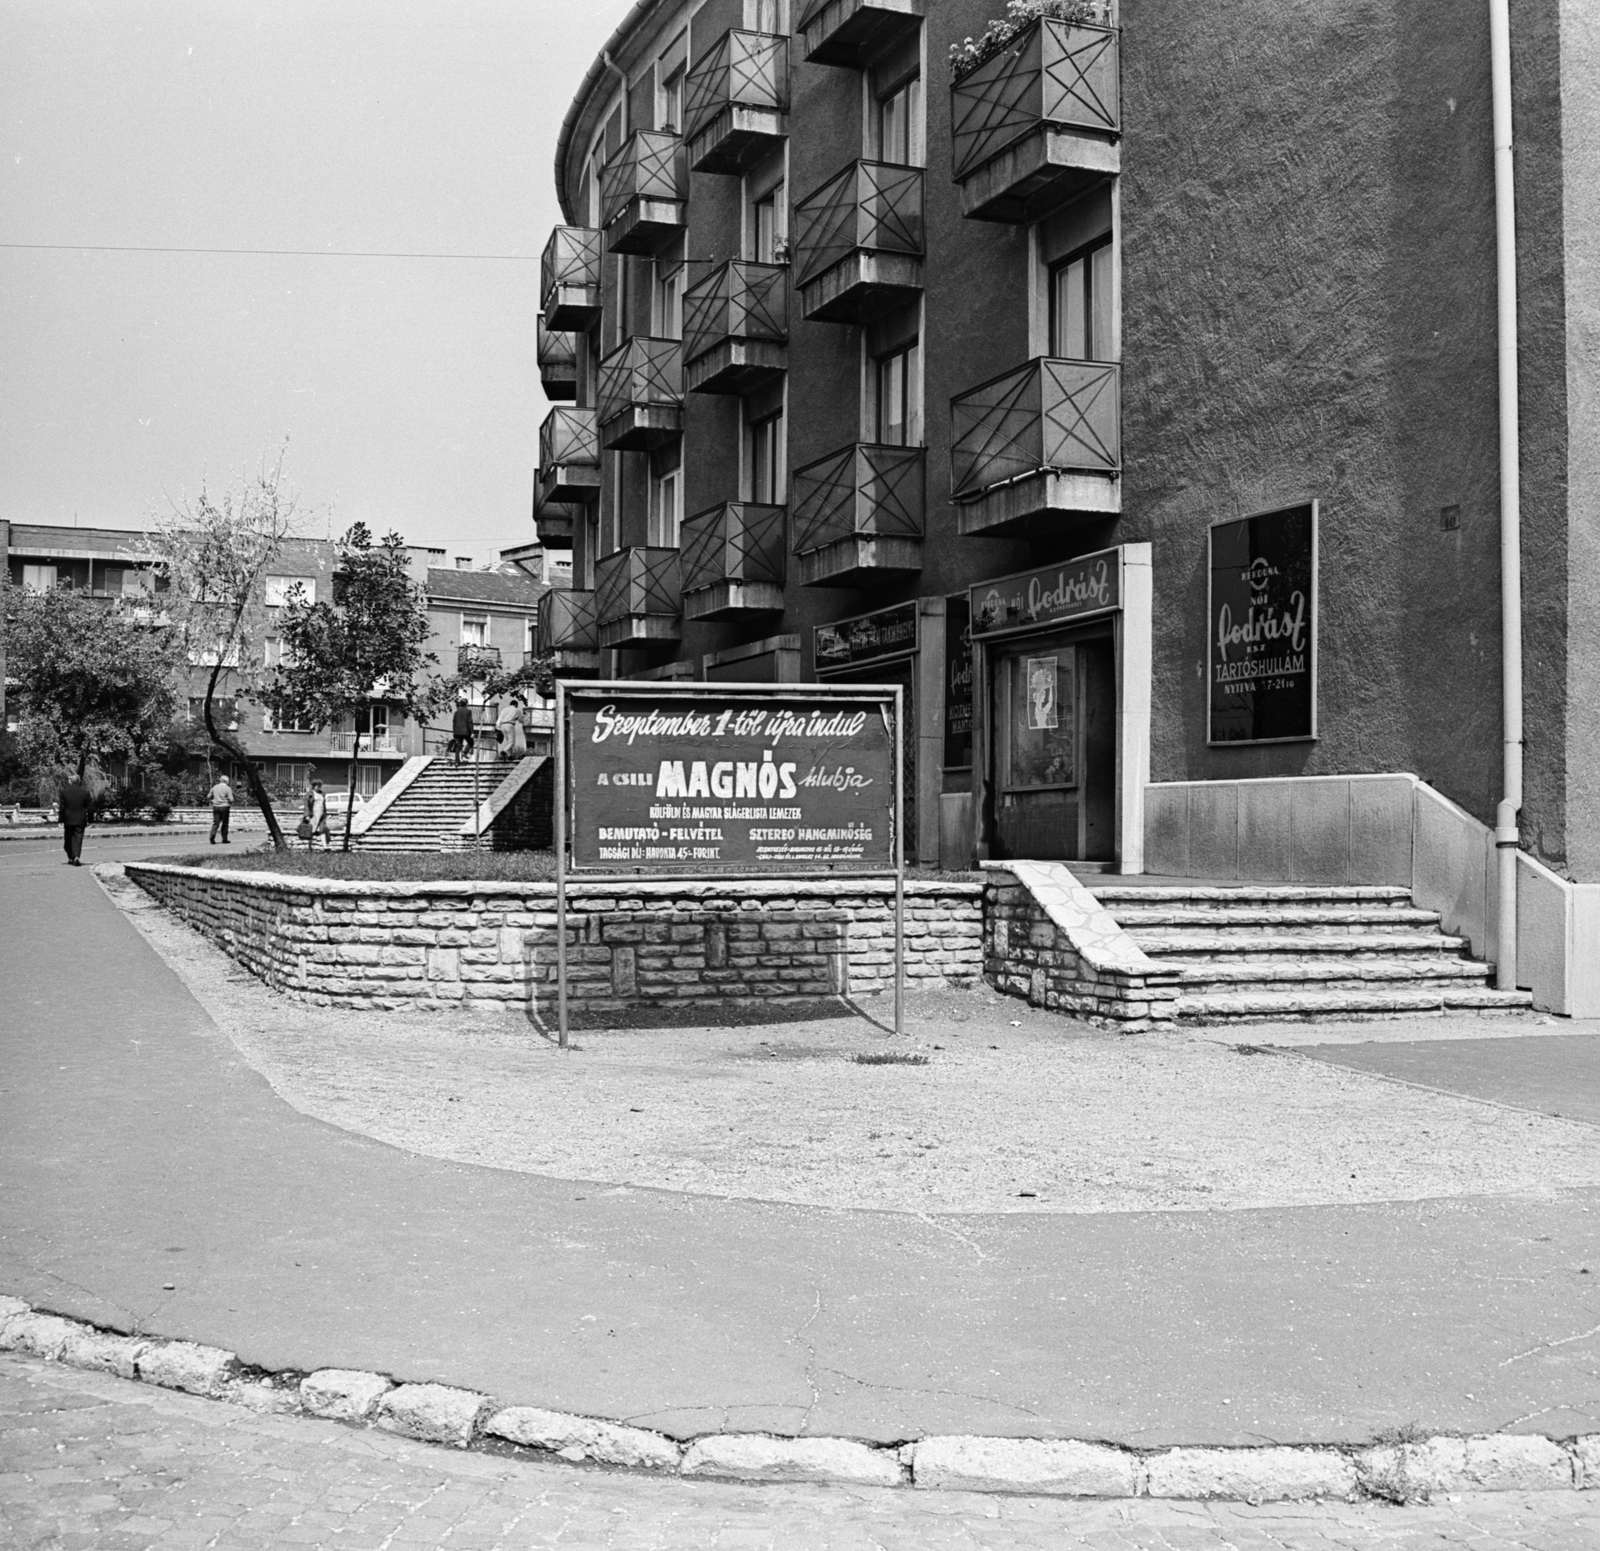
column 1505, row 220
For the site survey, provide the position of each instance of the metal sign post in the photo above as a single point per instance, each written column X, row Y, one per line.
column 560, row 838
column 899, row 860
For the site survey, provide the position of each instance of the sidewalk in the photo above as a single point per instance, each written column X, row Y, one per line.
column 153, row 1181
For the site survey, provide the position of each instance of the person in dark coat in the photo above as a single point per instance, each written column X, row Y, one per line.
column 461, row 729
column 73, row 805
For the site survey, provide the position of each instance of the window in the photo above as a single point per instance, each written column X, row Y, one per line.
column 293, row 776
column 765, row 460
column 369, row 781
column 287, row 721
column 38, row 578
column 280, row 589
column 769, row 226
column 373, row 721
column 137, row 583
column 1038, row 734
column 768, row 15
column 666, row 302
column 1080, row 304
column 898, row 124
column 897, row 392
column 666, row 496
column 474, row 630
column 226, row 711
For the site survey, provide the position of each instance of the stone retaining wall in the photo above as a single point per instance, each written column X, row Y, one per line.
column 633, row 947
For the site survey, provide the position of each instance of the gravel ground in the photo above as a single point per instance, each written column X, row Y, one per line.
column 1015, row 1110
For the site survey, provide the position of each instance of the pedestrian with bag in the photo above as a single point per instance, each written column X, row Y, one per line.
column 221, row 810
column 314, row 821
column 461, row 729
column 73, row 807
column 508, row 729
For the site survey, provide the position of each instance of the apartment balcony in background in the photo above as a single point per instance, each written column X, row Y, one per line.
column 475, row 661
column 569, row 279
column 569, row 457
column 858, row 243
column 558, row 364
column 736, row 102
column 733, row 561
column 858, row 515
column 853, row 33
column 638, row 599
column 555, row 522
column 1038, row 123
column 565, row 632
column 644, row 193
column 1036, row 445
column 640, row 397
column 385, row 743
column 736, row 328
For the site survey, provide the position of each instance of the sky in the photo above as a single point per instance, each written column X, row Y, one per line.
column 189, row 193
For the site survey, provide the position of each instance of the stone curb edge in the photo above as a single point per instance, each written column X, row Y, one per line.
column 1409, row 1466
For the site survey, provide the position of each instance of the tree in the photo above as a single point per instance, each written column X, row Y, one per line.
column 96, row 679
column 217, row 551
column 366, row 645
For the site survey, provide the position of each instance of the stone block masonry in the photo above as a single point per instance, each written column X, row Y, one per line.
column 670, row 949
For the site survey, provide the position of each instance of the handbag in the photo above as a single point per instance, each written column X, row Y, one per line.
column 303, row 831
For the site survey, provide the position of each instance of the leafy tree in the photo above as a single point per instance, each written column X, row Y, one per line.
column 217, row 550
column 96, row 679
column 366, row 645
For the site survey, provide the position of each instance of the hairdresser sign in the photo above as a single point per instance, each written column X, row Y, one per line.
column 709, row 779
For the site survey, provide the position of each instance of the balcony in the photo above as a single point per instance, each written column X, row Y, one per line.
column 858, row 516
column 569, row 279
column 733, row 558
column 565, row 632
column 858, row 243
column 737, row 101
column 1036, row 444
column 569, row 457
column 736, row 328
column 1038, row 123
column 644, row 193
column 641, row 395
column 853, row 33
column 474, row 661
column 558, row 363
column 381, row 743
column 637, row 596
column 555, row 522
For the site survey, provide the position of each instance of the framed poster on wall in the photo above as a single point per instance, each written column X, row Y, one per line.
column 1262, row 617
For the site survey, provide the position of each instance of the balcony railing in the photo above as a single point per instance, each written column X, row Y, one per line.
column 1045, row 437
column 381, row 743
column 736, row 99
column 858, row 515
column 640, row 398
column 569, row 279
column 565, row 623
column 859, row 242
column 555, row 522
column 1038, row 122
column 735, row 328
column 643, row 193
column 475, row 661
column 558, row 363
column 638, row 598
column 569, row 456
column 733, row 560
column 853, row 33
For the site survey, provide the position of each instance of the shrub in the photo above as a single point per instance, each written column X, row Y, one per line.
column 967, row 55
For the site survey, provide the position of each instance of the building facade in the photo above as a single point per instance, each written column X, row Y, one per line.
column 1128, row 394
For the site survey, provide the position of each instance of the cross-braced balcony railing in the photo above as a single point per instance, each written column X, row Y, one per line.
column 567, row 436
column 643, row 189
column 1046, row 415
column 873, row 207
column 735, row 100
column 638, row 595
column 1056, row 73
column 569, row 278
column 854, row 32
column 738, row 300
column 558, row 362
column 739, row 541
column 566, row 622
column 864, row 489
column 640, row 394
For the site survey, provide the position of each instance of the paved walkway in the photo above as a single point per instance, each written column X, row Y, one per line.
column 150, row 1180
column 98, row 1463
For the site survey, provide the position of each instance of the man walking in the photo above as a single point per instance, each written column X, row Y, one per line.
column 221, row 809
column 461, row 729
column 73, row 804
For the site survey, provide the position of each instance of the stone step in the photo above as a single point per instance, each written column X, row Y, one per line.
column 1254, row 917
column 1197, row 945
column 1306, row 1005
column 1251, row 893
column 1268, row 973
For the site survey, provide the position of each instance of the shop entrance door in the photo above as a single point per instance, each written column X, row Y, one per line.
column 1053, row 753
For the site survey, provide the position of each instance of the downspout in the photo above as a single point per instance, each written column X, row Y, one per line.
column 1505, row 221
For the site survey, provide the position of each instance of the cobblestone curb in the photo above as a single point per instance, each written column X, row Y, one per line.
column 1409, row 1469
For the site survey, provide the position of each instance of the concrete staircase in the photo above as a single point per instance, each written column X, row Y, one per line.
column 1260, row 951
column 430, row 811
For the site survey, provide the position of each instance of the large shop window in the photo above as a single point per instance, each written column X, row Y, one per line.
column 1039, row 693
column 1080, row 304
column 666, row 495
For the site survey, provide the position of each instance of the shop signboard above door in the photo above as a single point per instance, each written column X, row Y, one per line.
column 1054, row 594
column 1263, row 627
column 850, row 643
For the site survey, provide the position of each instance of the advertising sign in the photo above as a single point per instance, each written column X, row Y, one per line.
column 1263, row 621
column 705, row 779
column 1055, row 594
column 847, row 643
column 957, row 683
